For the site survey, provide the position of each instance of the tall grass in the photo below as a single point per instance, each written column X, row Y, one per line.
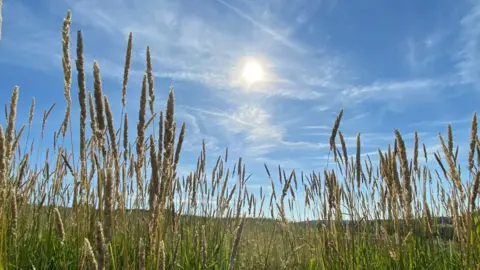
column 396, row 214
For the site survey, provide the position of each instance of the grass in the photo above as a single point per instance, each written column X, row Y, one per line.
column 127, row 208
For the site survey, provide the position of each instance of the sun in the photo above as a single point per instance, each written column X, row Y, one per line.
column 253, row 72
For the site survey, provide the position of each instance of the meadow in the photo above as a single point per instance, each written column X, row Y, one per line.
column 114, row 202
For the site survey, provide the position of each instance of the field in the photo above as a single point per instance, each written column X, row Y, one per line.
column 114, row 202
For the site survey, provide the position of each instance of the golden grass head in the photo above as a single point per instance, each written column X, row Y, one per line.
column 335, row 129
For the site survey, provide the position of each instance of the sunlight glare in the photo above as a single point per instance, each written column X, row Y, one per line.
column 253, row 72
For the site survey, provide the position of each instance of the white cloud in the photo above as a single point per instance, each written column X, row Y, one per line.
column 441, row 123
column 256, row 122
column 33, row 42
column 252, row 121
column 412, row 55
column 469, row 65
column 322, row 127
column 260, row 134
column 407, row 89
column 275, row 34
column 421, row 53
column 321, row 108
column 196, row 132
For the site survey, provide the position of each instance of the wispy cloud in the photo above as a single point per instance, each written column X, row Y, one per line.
column 319, row 57
column 321, row 127
column 189, row 44
column 440, row 123
column 469, row 66
column 275, row 34
column 398, row 89
column 33, row 42
column 422, row 52
column 259, row 134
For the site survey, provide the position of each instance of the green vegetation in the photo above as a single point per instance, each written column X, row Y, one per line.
column 116, row 203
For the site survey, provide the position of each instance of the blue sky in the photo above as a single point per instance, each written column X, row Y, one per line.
column 411, row 65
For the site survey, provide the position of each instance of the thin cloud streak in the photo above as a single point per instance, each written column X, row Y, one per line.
column 264, row 28
column 469, row 66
